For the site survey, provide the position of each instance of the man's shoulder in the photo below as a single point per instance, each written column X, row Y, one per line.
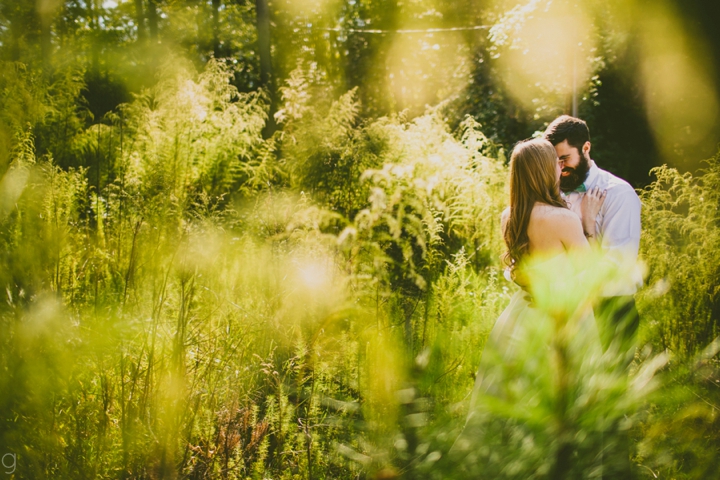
column 615, row 186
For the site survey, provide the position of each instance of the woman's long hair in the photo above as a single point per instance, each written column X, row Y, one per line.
column 533, row 179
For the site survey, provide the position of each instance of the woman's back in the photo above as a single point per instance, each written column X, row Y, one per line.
column 552, row 229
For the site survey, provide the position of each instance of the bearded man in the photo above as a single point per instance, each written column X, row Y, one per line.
column 617, row 226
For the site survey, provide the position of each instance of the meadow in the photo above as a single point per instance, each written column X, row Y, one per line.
column 185, row 298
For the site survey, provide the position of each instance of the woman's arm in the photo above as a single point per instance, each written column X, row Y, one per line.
column 570, row 230
column 504, row 220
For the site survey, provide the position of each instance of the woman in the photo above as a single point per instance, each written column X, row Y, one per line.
column 538, row 220
column 538, row 224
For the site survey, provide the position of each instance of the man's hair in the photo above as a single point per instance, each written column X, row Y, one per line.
column 572, row 129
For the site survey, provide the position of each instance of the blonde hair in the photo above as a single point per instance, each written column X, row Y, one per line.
column 533, row 179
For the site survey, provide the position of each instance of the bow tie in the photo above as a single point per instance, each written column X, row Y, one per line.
column 580, row 189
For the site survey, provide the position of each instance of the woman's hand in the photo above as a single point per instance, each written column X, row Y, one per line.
column 590, row 207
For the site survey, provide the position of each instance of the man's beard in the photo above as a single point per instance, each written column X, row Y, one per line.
column 577, row 175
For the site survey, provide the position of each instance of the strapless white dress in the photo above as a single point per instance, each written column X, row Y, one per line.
column 519, row 360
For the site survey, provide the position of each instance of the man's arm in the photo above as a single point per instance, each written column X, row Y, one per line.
column 620, row 239
column 620, row 225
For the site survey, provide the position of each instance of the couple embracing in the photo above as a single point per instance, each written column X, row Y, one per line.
column 562, row 206
column 561, row 201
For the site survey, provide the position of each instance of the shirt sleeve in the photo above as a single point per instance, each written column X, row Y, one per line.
column 620, row 238
column 620, row 225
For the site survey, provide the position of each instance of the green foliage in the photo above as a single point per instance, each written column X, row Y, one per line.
column 22, row 105
column 549, row 401
column 683, row 233
column 194, row 135
column 185, row 299
column 680, row 426
column 325, row 155
column 433, row 200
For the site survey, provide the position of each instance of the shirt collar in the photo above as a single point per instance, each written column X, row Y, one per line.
column 592, row 176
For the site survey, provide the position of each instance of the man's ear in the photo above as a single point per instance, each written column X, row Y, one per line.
column 586, row 148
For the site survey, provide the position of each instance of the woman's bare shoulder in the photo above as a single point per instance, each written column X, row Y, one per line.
column 505, row 215
column 551, row 228
column 545, row 210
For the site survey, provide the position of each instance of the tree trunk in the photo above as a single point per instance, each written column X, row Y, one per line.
column 93, row 21
column 216, row 28
column 266, row 73
column 140, row 20
column 263, row 30
column 44, row 17
column 152, row 16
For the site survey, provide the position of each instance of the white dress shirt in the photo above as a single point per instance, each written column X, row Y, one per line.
column 617, row 226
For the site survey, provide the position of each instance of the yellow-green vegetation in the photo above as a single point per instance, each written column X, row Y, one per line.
column 185, row 299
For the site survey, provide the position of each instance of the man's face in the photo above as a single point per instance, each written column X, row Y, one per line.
column 558, row 171
column 574, row 164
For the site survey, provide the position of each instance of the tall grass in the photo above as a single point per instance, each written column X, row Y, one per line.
column 186, row 299
column 681, row 212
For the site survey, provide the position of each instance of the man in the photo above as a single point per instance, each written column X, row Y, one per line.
column 617, row 226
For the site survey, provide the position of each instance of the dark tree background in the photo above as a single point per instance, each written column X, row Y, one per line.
column 260, row 239
column 386, row 49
